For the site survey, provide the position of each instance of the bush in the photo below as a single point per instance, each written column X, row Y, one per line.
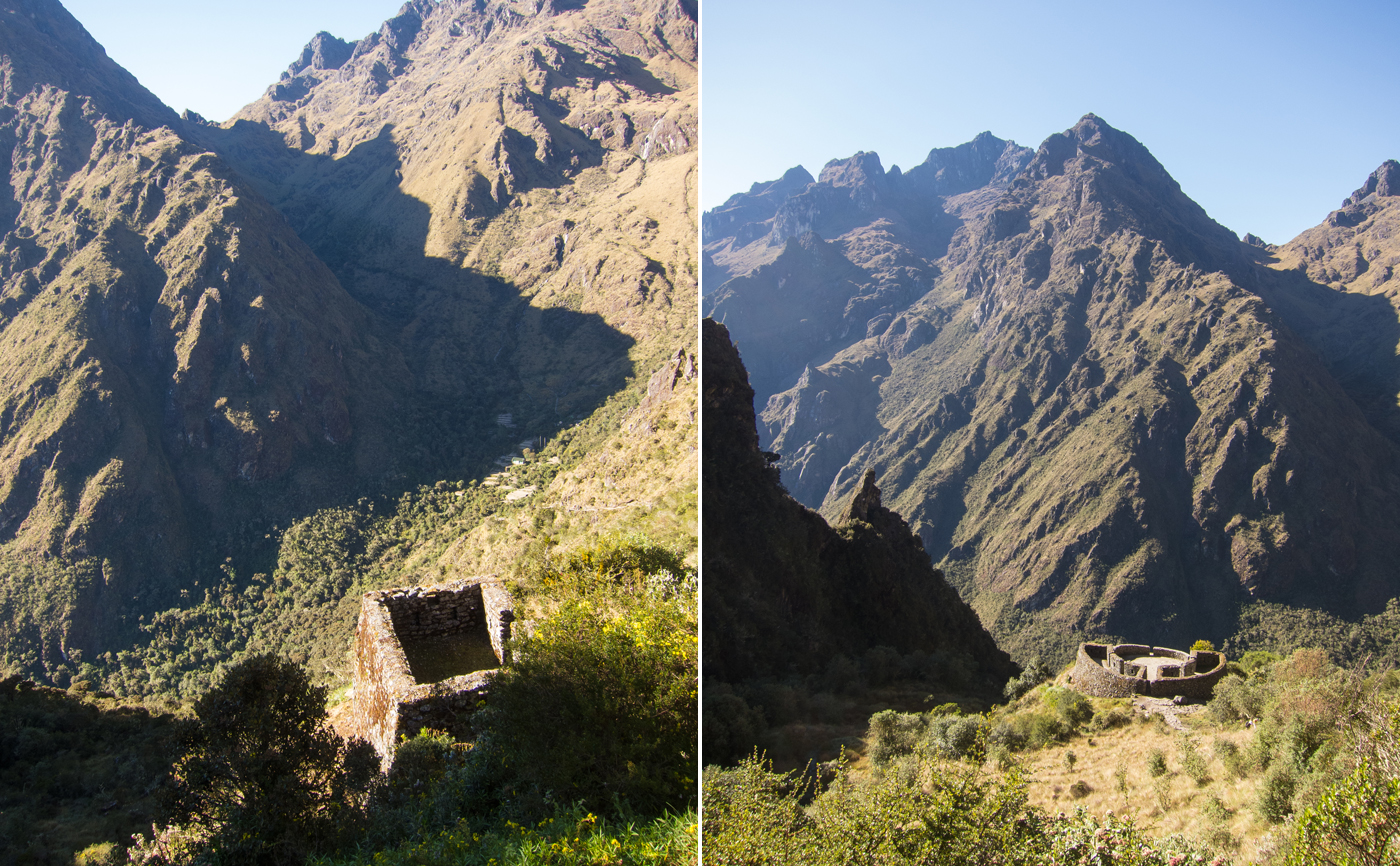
column 597, row 706
column 1229, row 755
column 953, row 736
column 263, row 777
column 1072, row 707
column 1357, row 820
column 753, row 816
column 1192, row 763
column 1156, row 763
column 101, row 854
column 1033, row 675
column 1274, row 800
column 1112, row 717
column 894, row 734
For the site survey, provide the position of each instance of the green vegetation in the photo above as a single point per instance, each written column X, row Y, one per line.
column 932, row 811
column 78, row 771
column 584, row 751
column 564, row 835
column 1295, row 761
column 263, row 778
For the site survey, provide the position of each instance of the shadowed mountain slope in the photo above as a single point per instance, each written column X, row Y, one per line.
column 1086, row 407
column 784, row 591
column 209, row 332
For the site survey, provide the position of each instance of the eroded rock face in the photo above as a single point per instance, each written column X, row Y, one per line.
column 1093, row 412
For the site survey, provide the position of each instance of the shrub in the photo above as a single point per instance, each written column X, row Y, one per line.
column 1256, row 660
column 1203, row 645
column 1031, row 676
column 598, row 705
column 1357, row 820
column 1213, row 810
column 1039, row 728
column 1107, row 719
column 1156, row 763
column 101, row 854
column 263, row 777
column 1229, row 755
column 1080, row 789
column 1274, row 800
column 953, row 736
column 894, row 734
column 1071, row 706
column 1192, row 763
column 1005, row 736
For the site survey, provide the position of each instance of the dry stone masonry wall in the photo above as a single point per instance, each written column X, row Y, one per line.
column 1117, row 671
column 389, row 701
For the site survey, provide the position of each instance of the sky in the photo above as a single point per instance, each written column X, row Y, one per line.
column 214, row 58
column 1267, row 114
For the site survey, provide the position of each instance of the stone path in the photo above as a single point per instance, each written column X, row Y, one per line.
column 1171, row 712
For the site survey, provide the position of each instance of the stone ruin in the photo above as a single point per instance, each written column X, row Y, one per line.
column 1125, row 669
column 424, row 658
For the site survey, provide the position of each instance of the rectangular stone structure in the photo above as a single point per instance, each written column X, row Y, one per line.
column 389, row 701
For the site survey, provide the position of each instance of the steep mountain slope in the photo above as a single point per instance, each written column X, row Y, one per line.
column 1336, row 285
column 1089, row 413
column 211, row 332
column 784, row 591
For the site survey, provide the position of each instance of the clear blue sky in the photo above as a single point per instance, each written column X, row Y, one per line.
column 1267, row 114
column 216, row 57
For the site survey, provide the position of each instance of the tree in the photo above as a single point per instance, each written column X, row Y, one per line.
column 263, row 775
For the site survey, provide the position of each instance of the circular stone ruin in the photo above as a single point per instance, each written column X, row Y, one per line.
column 1126, row 669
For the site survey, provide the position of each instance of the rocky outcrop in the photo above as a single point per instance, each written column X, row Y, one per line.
column 784, row 591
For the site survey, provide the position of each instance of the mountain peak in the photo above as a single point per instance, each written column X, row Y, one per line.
column 324, row 51
column 863, row 167
column 1093, row 137
column 867, row 499
column 1384, row 181
column 45, row 45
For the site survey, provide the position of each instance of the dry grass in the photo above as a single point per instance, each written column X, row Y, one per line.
column 1101, row 757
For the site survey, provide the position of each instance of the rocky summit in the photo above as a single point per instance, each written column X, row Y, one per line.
column 1102, row 412
column 468, row 228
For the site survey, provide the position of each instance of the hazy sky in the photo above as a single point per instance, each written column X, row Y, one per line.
column 1267, row 114
column 215, row 58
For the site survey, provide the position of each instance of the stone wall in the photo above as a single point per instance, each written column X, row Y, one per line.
column 388, row 702
column 1105, row 671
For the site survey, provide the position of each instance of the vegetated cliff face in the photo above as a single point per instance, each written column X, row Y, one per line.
column 784, row 591
column 207, row 330
column 1087, row 406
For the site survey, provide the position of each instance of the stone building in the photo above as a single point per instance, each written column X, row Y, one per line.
column 424, row 658
column 1122, row 670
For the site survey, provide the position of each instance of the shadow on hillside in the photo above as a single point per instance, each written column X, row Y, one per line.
column 488, row 370
column 476, row 347
column 1356, row 335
